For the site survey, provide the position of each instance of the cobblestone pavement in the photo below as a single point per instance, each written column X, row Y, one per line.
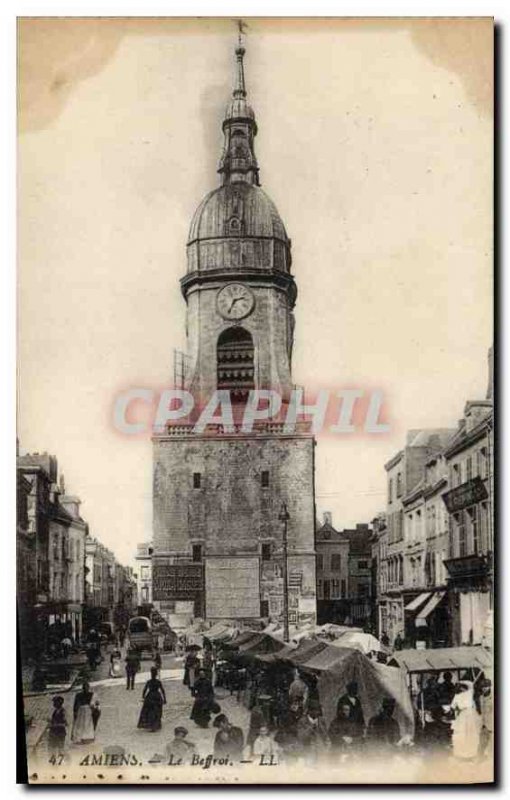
column 120, row 709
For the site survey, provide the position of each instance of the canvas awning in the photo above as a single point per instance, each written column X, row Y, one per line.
column 434, row 601
column 416, row 603
column 375, row 681
column 442, row 658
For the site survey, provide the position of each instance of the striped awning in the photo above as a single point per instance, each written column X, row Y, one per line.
column 416, row 603
column 434, row 601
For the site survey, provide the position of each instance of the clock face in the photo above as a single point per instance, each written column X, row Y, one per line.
column 235, row 301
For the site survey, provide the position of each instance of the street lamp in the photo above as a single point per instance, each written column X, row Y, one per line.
column 284, row 517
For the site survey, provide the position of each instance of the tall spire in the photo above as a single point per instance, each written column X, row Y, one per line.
column 240, row 88
column 238, row 162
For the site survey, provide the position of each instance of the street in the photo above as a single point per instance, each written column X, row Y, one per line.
column 117, row 730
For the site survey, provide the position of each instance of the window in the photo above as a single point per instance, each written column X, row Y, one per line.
column 362, row 564
column 335, row 588
column 327, row 590
column 390, row 490
column 343, row 588
column 320, row 561
column 475, row 529
column 469, row 468
column 264, row 608
column 399, row 484
column 482, row 463
column 264, row 478
column 144, row 573
column 461, row 534
column 319, row 590
column 235, row 362
column 266, row 551
column 456, row 476
column 197, row 553
column 197, row 480
column 335, row 561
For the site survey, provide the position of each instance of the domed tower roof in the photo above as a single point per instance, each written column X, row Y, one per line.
column 237, row 209
column 237, row 226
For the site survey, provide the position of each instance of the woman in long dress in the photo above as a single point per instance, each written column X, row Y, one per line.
column 153, row 700
column 85, row 703
column 467, row 723
column 204, row 704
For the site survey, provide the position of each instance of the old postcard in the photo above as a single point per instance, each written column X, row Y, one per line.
column 255, row 467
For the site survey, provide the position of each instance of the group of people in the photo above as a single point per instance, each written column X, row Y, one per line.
column 86, row 714
column 456, row 715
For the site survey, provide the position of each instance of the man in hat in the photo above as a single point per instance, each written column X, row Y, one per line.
column 383, row 731
column 311, row 732
column 229, row 741
column 179, row 750
column 356, row 717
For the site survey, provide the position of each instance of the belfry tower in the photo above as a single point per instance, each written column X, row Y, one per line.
column 218, row 495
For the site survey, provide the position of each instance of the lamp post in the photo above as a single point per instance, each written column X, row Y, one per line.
column 284, row 517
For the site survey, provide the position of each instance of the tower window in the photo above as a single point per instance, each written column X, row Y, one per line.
column 235, row 362
column 264, row 478
column 197, row 553
column 197, row 480
column 266, row 551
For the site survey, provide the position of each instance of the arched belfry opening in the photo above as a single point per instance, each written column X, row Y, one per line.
column 235, row 355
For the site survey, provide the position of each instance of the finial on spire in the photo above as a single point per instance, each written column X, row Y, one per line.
column 240, row 88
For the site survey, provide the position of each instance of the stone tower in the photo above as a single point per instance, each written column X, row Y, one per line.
column 218, row 495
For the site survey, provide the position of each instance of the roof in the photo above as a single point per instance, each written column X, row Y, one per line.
column 442, row 658
column 256, row 212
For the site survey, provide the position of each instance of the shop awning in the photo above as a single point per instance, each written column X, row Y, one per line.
column 416, row 603
column 434, row 601
column 441, row 658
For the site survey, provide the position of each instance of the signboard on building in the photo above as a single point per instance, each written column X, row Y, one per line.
column 177, row 581
column 466, row 495
column 232, row 588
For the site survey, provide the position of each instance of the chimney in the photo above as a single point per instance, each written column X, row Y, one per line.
column 328, row 518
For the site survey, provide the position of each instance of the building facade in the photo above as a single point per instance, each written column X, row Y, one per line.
column 332, row 565
column 405, row 519
column 469, row 502
column 228, row 504
column 143, row 560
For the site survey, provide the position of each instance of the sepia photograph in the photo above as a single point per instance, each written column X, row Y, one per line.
column 256, row 528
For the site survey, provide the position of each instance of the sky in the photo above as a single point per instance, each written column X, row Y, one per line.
column 374, row 141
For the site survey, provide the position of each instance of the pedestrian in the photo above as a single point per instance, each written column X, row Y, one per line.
column 229, row 741
column 154, row 699
column 157, row 659
column 122, row 636
column 345, row 732
column 191, row 665
column 298, row 690
column 115, row 667
column 179, row 750
column 312, row 734
column 287, row 734
column 486, row 712
column 208, row 664
column 132, row 666
column 446, row 689
column 351, row 699
column 385, row 640
column 257, row 720
column 204, row 704
column 383, row 731
column 57, row 727
column 265, row 748
column 83, row 723
column 467, row 723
